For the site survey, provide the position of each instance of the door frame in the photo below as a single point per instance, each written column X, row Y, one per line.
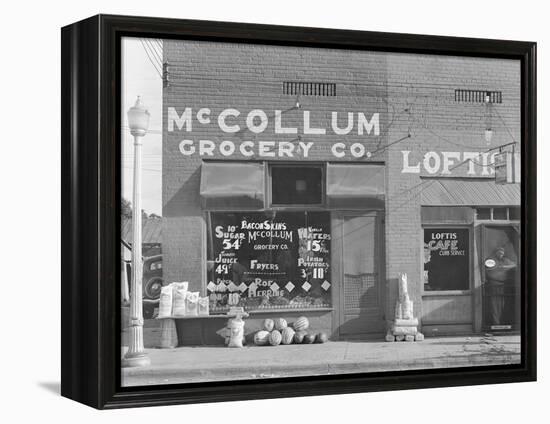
column 337, row 257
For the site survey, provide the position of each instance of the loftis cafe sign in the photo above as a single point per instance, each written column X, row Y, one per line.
column 448, row 163
column 256, row 122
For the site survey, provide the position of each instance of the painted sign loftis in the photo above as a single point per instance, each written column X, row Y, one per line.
column 444, row 163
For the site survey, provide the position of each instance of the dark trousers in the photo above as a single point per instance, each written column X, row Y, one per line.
column 497, row 302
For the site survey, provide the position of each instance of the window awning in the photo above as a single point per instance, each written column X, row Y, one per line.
column 232, row 185
column 469, row 192
column 355, row 186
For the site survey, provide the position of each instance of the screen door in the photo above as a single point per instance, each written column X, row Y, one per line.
column 361, row 294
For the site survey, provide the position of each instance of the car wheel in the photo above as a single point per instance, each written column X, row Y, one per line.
column 152, row 288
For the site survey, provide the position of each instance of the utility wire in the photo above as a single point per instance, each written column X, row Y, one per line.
column 385, row 147
column 157, row 50
column 155, row 53
column 158, row 43
column 151, row 60
column 505, row 126
column 444, row 139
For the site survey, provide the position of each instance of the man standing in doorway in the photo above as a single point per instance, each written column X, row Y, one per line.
column 499, row 273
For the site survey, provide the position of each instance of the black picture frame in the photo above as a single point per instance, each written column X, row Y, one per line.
column 90, row 204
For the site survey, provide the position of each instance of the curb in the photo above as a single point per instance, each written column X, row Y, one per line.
column 178, row 375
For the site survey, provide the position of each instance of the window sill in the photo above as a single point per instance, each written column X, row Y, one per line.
column 286, row 310
column 269, row 310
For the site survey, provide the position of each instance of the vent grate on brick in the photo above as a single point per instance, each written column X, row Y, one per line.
column 478, row 96
column 309, row 88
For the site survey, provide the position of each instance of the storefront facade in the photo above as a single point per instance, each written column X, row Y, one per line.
column 301, row 182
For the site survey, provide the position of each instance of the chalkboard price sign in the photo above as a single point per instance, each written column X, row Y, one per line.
column 269, row 260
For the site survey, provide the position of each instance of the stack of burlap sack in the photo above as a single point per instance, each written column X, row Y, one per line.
column 176, row 301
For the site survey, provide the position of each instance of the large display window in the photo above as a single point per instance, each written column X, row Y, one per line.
column 268, row 259
column 446, row 259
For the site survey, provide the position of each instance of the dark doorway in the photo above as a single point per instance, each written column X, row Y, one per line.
column 500, row 273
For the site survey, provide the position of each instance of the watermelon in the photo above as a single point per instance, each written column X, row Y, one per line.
column 275, row 338
column 280, row 323
column 299, row 337
column 268, row 324
column 261, row 338
column 287, row 335
column 309, row 338
column 321, row 338
column 301, row 323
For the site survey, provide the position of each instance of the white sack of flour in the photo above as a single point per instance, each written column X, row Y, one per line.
column 180, row 302
column 180, row 285
column 165, row 304
column 204, row 306
column 192, row 304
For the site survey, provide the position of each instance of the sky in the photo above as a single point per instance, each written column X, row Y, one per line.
column 141, row 78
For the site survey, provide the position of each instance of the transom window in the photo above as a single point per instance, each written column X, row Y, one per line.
column 296, row 185
column 512, row 213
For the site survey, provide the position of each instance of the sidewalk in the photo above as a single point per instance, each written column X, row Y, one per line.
column 194, row 364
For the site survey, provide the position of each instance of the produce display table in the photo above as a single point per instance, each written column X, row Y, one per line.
column 169, row 334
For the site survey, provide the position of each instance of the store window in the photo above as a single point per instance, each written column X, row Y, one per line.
column 232, row 185
column 356, row 186
column 446, row 259
column 273, row 260
column 296, row 185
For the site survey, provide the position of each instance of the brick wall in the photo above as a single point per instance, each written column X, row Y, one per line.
column 414, row 94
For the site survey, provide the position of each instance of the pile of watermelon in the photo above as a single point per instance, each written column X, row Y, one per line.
column 276, row 332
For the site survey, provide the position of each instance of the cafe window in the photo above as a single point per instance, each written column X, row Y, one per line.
column 446, row 259
column 268, row 260
column 296, row 185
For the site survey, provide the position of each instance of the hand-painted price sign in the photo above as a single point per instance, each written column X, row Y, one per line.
column 266, row 253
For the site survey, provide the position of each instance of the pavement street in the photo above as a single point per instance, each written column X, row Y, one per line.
column 196, row 364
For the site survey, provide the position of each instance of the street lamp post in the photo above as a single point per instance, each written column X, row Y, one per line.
column 138, row 121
